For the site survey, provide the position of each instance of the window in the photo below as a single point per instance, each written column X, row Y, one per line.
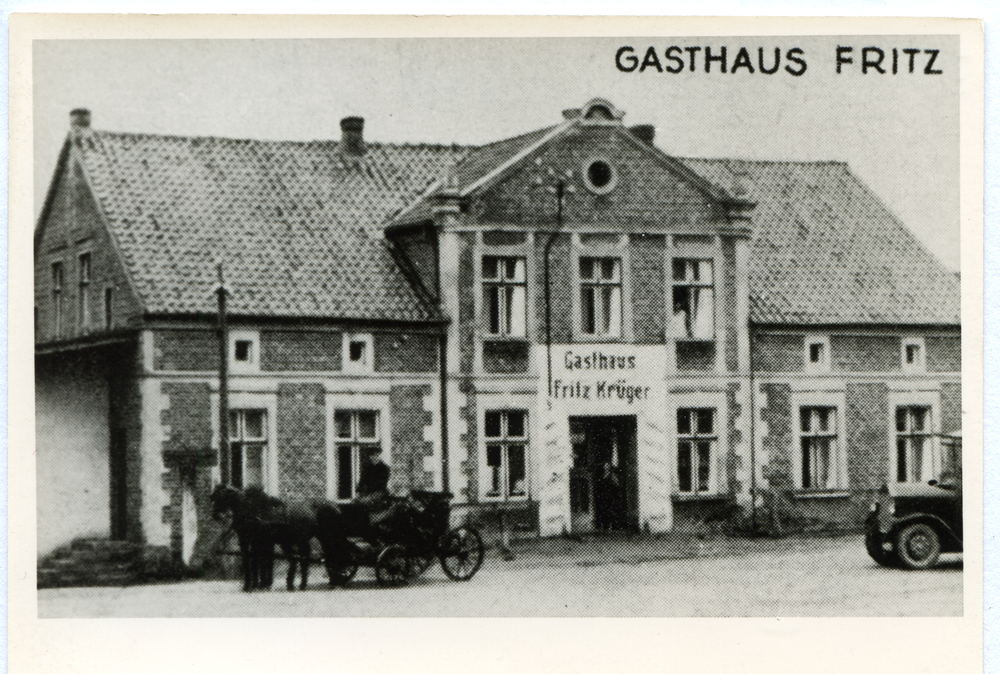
column 358, row 353
column 696, row 442
column 248, row 448
column 599, row 176
column 601, row 296
column 506, row 434
column 244, row 353
column 817, row 354
column 84, row 290
column 356, row 433
column 693, row 299
column 243, row 350
column 504, row 293
column 913, row 355
column 818, row 446
column 914, row 459
column 109, row 295
column 57, row 299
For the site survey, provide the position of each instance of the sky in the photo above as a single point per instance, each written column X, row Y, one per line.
column 898, row 133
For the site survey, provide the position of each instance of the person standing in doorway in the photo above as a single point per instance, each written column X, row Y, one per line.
column 606, row 489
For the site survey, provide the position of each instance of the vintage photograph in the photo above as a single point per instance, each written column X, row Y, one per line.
column 640, row 326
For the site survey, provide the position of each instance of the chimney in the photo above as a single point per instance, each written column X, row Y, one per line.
column 571, row 113
column 644, row 132
column 352, row 138
column 79, row 119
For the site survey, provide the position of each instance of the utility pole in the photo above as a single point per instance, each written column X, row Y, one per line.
column 223, row 330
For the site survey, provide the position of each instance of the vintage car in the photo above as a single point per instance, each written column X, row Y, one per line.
column 910, row 525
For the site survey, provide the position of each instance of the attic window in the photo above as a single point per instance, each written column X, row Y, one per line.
column 599, row 112
column 600, row 176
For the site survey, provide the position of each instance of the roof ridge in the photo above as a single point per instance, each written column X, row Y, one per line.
column 765, row 161
column 233, row 139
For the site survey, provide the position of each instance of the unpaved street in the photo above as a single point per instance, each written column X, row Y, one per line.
column 818, row 577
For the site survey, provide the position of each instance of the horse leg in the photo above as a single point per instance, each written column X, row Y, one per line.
column 289, row 550
column 245, row 563
column 267, row 564
column 304, row 553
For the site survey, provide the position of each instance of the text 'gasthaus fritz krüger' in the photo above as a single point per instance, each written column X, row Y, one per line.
column 866, row 60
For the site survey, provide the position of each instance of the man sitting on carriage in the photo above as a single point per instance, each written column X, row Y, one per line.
column 373, row 492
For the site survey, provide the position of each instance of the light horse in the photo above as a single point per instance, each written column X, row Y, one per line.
column 262, row 521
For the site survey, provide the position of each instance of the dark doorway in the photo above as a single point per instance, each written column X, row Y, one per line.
column 603, row 476
column 119, row 493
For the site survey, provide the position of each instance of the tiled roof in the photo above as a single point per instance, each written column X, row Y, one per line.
column 826, row 250
column 297, row 221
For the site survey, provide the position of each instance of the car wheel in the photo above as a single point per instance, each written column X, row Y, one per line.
column 918, row 546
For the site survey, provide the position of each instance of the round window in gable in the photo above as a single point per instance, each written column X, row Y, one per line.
column 600, row 176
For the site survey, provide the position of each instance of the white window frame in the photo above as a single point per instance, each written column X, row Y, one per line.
column 616, row 328
column 823, row 365
column 691, row 284
column 718, row 481
column 920, row 363
column 346, row 402
column 252, row 364
column 838, row 460
column 250, row 400
column 84, row 278
column 58, row 291
column 693, row 437
column 933, row 463
column 108, row 308
column 237, row 426
column 354, row 444
column 367, row 364
column 505, row 441
column 506, row 327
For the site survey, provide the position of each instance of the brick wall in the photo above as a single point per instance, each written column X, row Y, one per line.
column 405, row 352
column 695, row 356
column 73, row 226
column 777, row 443
column 561, row 281
column 951, row 407
column 646, row 195
column 187, row 419
column 849, row 353
column 944, row 354
column 301, row 433
column 503, row 357
column 409, row 449
column 729, row 330
column 867, row 416
column 186, row 350
column 466, row 302
column 734, row 463
column 647, row 284
column 778, row 353
column 300, row 351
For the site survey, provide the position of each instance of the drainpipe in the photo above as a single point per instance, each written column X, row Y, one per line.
column 223, row 330
column 443, row 360
column 548, row 290
column 753, row 440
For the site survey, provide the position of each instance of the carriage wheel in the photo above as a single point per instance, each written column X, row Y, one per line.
column 393, row 566
column 461, row 553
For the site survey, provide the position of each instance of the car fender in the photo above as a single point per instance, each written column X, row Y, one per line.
column 948, row 535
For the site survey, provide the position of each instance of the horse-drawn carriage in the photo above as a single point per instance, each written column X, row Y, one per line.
column 411, row 533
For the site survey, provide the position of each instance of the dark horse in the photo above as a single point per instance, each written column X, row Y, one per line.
column 261, row 522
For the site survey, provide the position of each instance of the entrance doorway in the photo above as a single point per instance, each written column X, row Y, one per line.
column 603, row 492
column 119, row 491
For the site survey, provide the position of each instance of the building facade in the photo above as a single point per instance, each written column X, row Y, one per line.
column 501, row 322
